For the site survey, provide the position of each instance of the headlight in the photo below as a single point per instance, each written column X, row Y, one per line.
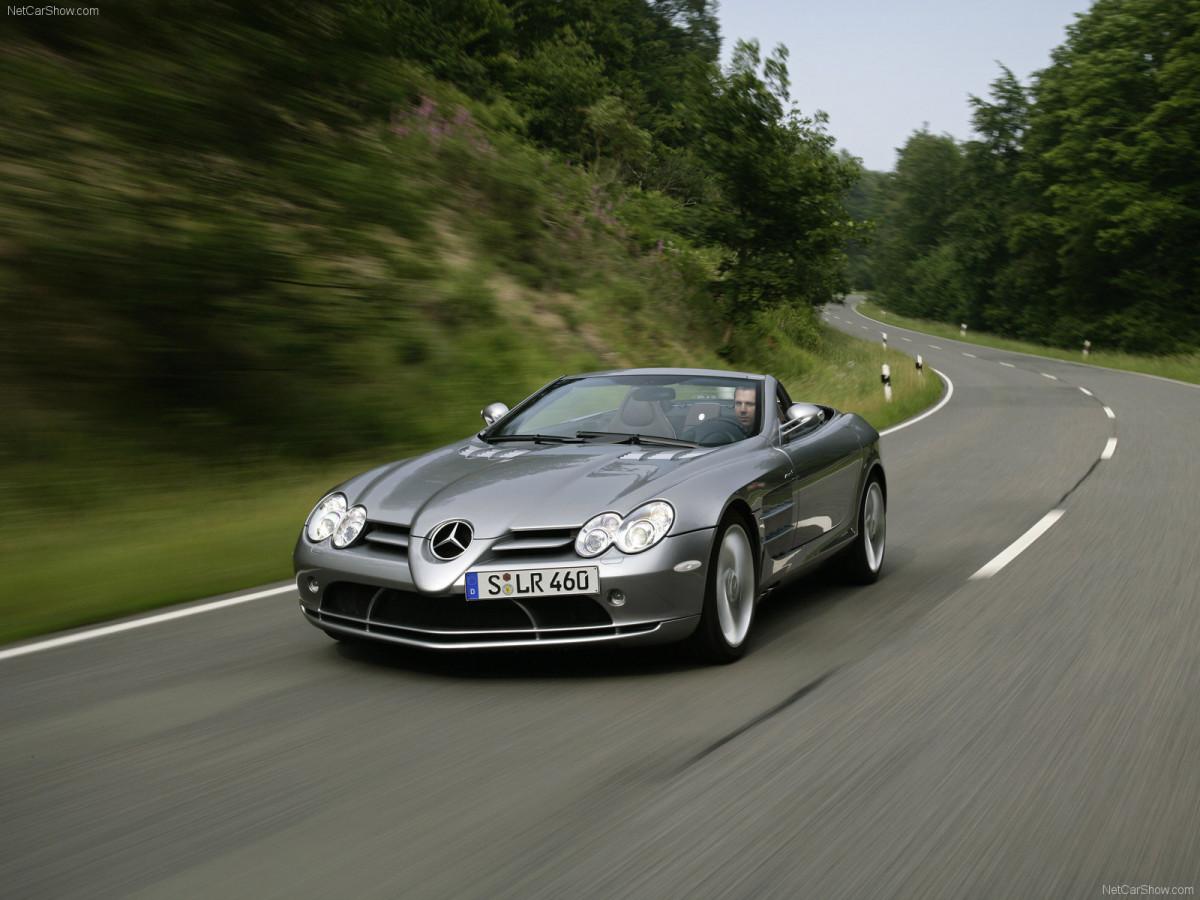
column 351, row 527
column 645, row 527
column 332, row 518
column 327, row 516
column 640, row 530
column 597, row 535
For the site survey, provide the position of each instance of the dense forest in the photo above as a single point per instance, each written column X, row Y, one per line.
column 1074, row 214
column 277, row 221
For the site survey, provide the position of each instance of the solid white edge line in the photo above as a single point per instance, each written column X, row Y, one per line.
column 929, row 412
column 1190, row 384
column 1109, row 449
column 1019, row 546
column 154, row 619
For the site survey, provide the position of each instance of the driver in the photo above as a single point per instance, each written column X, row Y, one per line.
column 745, row 407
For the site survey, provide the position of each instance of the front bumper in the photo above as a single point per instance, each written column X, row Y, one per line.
column 364, row 593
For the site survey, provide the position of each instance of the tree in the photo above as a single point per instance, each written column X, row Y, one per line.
column 615, row 135
column 556, row 85
column 1115, row 160
column 916, row 266
column 990, row 197
column 778, row 210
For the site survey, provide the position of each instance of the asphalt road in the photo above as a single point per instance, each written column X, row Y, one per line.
column 956, row 730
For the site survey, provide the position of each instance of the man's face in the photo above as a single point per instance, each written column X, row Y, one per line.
column 744, row 407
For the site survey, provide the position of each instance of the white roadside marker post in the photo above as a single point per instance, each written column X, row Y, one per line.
column 884, row 333
column 962, row 330
column 886, row 378
column 1087, row 348
column 920, row 366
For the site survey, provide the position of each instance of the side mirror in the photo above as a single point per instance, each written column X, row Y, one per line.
column 800, row 415
column 493, row 412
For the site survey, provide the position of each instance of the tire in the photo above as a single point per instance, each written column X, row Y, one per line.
column 730, row 592
column 864, row 558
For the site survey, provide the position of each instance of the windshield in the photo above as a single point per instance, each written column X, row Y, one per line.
column 704, row 409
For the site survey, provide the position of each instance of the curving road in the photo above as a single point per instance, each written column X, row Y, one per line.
column 1012, row 711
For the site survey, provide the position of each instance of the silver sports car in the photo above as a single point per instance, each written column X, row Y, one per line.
column 631, row 507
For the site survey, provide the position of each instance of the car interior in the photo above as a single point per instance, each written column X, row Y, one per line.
column 657, row 411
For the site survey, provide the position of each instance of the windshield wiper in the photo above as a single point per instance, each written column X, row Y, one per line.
column 535, row 438
column 626, row 438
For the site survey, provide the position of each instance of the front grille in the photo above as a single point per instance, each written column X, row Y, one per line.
column 449, row 621
column 389, row 538
column 397, row 539
column 534, row 540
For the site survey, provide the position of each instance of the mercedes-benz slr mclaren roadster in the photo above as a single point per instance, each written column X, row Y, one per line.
column 630, row 507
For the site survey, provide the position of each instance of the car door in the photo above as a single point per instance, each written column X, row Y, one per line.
column 826, row 460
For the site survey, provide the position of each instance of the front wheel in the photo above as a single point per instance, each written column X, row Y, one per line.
column 730, row 592
column 865, row 556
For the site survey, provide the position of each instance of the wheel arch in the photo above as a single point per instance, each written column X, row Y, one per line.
column 875, row 470
column 739, row 507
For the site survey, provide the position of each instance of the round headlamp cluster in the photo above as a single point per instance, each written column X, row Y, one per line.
column 332, row 519
column 638, row 531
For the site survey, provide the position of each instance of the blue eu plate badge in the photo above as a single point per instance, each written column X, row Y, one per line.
column 472, row 585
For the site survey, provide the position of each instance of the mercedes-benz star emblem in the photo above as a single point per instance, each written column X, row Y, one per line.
column 450, row 539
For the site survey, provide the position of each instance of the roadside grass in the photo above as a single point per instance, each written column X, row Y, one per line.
column 153, row 543
column 1180, row 368
column 850, row 380
column 126, row 530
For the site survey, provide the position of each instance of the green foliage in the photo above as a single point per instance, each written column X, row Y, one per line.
column 1113, row 136
column 1075, row 214
column 778, row 205
column 249, row 228
column 916, row 264
column 862, row 205
column 558, row 82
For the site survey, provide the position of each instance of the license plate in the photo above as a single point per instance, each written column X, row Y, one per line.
column 516, row 583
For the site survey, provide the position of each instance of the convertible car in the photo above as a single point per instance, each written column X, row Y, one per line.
column 631, row 507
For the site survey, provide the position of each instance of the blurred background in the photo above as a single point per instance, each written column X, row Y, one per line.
column 248, row 248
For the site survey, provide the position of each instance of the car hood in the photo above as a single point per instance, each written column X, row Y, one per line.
column 505, row 486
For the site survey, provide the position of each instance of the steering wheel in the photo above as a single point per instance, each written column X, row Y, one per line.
column 714, row 432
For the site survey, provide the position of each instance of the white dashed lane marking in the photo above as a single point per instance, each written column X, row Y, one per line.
column 1019, row 546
